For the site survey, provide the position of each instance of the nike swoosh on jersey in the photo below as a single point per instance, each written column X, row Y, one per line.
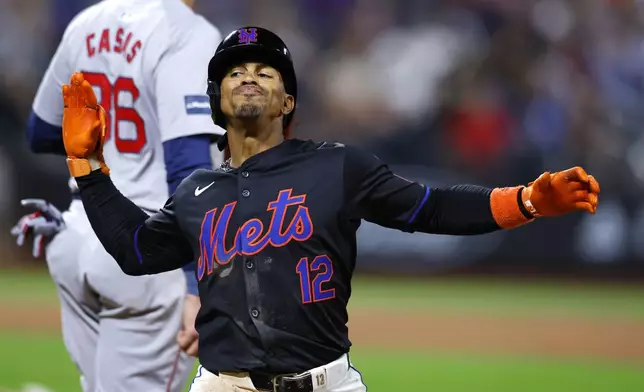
column 199, row 191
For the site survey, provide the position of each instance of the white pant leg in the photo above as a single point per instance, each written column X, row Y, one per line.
column 119, row 330
column 205, row 381
column 139, row 321
column 79, row 305
column 351, row 383
column 338, row 376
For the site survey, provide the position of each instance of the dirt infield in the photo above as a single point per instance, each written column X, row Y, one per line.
column 544, row 335
column 464, row 333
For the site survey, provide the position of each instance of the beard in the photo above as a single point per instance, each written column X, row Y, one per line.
column 248, row 111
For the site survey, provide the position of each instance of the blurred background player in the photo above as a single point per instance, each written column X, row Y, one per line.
column 147, row 61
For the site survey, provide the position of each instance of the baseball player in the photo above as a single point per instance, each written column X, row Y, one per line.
column 274, row 228
column 147, row 61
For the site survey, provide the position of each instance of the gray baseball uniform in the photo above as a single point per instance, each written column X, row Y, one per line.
column 147, row 60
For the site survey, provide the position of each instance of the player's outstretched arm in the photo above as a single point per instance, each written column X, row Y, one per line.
column 379, row 196
column 140, row 244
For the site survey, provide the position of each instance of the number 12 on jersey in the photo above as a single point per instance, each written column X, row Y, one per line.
column 312, row 290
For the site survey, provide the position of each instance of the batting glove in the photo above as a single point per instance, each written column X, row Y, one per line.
column 43, row 224
column 559, row 193
column 84, row 128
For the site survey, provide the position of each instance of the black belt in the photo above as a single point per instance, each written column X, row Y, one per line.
column 282, row 382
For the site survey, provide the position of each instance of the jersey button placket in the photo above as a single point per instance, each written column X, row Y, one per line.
column 250, row 264
column 245, row 192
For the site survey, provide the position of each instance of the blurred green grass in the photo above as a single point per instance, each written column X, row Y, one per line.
column 27, row 285
column 413, row 371
column 41, row 358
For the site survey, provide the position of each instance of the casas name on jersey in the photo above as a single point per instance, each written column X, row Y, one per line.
column 113, row 42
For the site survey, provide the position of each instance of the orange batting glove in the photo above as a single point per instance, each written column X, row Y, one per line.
column 83, row 128
column 559, row 193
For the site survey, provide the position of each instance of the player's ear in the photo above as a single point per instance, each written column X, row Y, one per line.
column 288, row 104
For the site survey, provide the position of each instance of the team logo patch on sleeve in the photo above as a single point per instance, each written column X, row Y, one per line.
column 197, row 104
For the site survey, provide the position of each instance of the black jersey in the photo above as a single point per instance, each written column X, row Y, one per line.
column 275, row 241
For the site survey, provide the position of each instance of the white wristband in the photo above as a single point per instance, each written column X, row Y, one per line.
column 94, row 164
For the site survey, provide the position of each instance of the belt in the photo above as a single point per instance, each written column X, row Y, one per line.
column 283, row 382
column 302, row 382
column 309, row 381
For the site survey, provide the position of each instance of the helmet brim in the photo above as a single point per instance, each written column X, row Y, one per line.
column 230, row 57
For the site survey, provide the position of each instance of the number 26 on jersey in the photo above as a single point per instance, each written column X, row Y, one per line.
column 109, row 98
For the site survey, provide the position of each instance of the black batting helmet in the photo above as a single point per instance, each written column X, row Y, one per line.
column 249, row 44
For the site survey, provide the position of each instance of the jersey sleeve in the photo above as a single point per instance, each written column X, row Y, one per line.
column 183, row 156
column 48, row 102
column 180, row 83
column 378, row 195
column 139, row 243
column 161, row 234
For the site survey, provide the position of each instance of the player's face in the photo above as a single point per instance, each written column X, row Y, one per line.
column 252, row 90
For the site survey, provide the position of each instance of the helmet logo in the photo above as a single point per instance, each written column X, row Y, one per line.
column 246, row 36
